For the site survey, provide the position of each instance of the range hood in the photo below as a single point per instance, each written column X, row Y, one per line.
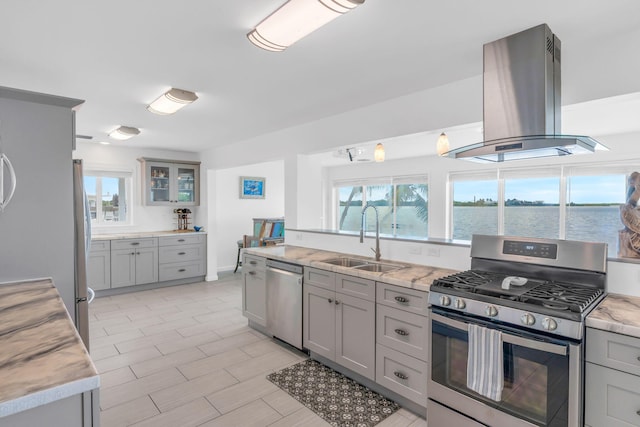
column 521, row 102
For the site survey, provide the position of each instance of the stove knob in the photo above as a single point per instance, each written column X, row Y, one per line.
column 459, row 304
column 491, row 311
column 528, row 319
column 445, row 300
column 549, row 324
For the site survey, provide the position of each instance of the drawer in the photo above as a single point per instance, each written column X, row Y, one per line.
column 356, row 287
column 402, row 331
column 403, row 374
column 403, row 298
column 252, row 262
column 321, row 278
column 180, row 270
column 613, row 350
column 151, row 242
column 439, row 415
column 612, row 398
column 182, row 239
column 169, row 254
column 100, row 245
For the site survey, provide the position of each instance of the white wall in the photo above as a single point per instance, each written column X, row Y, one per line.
column 145, row 218
column 233, row 215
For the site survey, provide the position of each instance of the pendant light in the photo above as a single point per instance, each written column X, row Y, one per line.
column 443, row 144
column 378, row 154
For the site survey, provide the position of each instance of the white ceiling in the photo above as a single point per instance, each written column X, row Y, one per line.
column 119, row 55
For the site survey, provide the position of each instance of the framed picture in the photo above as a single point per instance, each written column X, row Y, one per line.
column 252, row 187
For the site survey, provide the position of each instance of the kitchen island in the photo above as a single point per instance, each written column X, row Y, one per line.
column 45, row 370
column 414, row 276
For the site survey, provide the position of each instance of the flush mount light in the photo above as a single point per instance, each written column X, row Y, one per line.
column 171, row 101
column 443, row 144
column 378, row 154
column 124, row 132
column 295, row 19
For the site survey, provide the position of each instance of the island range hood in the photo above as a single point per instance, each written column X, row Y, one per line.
column 521, row 102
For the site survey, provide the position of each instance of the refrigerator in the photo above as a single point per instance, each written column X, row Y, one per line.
column 43, row 230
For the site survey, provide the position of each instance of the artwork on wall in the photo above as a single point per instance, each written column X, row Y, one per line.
column 252, row 187
column 629, row 236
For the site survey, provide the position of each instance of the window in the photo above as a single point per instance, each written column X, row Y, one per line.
column 401, row 204
column 574, row 203
column 109, row 197
column 475, row 205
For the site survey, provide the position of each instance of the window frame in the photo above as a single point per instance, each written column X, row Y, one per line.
column 563, row 172
column 100, row 173
column 392, row 181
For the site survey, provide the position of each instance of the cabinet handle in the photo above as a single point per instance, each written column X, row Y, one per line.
column 402, row 332
column 330, row 300
column 337, row 302
column 252, row 273
column 180, row 240
column 402, row 300
column 400, row 375
column 135, row 243
column 132, row 253
column 182, row 270
column 638, row 358
column 253, row 263
column 137, row 253
column 182, row 253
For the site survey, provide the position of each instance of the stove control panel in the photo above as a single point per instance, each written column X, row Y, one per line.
column 530, row 249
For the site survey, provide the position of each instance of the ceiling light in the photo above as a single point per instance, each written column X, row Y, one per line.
column 124, row 132
column 443, row 144
column 378, row 154
column 295, row 19
column 171, row 101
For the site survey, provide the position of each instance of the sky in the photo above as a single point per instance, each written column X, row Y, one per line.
column 582, row 189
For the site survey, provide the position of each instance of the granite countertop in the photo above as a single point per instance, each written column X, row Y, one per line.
column 617, row 313
column 42, row 358
column 412, row 276
column 142, row 234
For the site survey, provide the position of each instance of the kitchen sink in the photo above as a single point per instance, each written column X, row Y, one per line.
column 346, row 262
column 378, row 267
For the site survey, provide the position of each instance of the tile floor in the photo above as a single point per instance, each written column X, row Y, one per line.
column 184, row 356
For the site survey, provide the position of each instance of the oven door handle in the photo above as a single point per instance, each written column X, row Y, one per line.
column 508, row 338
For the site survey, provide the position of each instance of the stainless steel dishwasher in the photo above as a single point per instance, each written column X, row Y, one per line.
column 284, row 302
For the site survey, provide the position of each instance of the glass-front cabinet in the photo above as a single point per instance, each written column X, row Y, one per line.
column 170, row 183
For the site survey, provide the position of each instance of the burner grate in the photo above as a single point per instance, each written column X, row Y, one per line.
column 562, row 296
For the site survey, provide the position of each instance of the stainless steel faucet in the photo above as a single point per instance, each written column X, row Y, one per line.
column 364, row 210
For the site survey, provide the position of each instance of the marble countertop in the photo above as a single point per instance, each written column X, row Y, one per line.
column 142, row 234
column 412, row 276
column 42, row 358
column 617, row 313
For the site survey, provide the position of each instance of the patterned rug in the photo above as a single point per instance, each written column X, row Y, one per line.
column 337, row 399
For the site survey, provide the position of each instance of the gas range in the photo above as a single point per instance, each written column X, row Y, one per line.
column 541, row 285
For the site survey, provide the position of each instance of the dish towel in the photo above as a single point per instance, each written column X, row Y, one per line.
column 485, row 373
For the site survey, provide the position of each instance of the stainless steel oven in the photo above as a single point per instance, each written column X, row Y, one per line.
column 507, row 335
column 542, row 375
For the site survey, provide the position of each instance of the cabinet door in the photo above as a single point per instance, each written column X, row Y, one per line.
column 99, row 270
column 254, row 295
column 146, row 265
column 159, row 177
column 319, row 313
column 186, row 184
column 611, row 397
column 355, row 334
column 123, row 267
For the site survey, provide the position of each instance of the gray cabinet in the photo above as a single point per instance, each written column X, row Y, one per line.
column 99, row 265
column 80, row 410
column 612, row 379
column 254, row 289
column 170, row 182
column 401, row 341
column 181, row 256
column 338, row 325
column 134, row 262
